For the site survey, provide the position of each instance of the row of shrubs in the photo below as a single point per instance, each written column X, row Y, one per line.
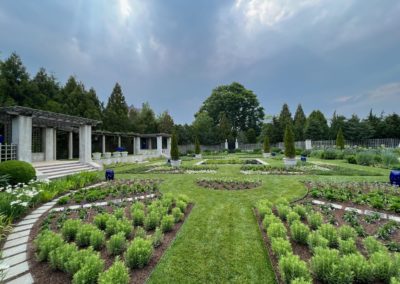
column 112, row 231
column 335, row 257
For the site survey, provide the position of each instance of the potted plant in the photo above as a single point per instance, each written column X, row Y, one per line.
column 96, row 156
column 197, row 149
column 175, row 162
column 266, row 148
column 395, row 176
column 290, row 151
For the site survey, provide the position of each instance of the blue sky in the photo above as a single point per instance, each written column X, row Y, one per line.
column 341, row 55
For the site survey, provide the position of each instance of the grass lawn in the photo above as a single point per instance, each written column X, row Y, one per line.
column 220, row 241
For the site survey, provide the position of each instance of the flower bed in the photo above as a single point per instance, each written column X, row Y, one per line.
column 382, row 196
column 229, row 184
column 313, row 244
column 200, row 169
column 117, row 243
column 231, row 162
column 112, row 190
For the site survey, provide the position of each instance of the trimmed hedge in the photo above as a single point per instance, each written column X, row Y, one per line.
column 17, row 171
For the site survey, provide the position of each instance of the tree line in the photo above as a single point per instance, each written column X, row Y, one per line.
column 43, row 91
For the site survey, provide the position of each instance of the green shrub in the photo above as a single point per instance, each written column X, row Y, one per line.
column 382, row 266
column 181, row 205
column 389, row 158
column 174, row 147
column 347, row 246
column 340, row 139
column 197, row 149
column 323, row 263
column 140, row 233
column 365, row 158
column 119, row 213
column 138, row 217
column 291, row 267
column 178, row 215
column 266, row 146
column 17, row 171
column 358, row 265
column 59, row 256
column 83, row 235
column 269, row 219
column 114, row 226
column 118, row 273
column 329, row 154
column 292, row 217
column 316, row 240
column 138, row 253
column 116, row 244
column 70, row 228
column 276, row 230
column 46, row 242
column 372, row 245
column 346, row 232
column 299, row 232
column 300, row 280
column 100, row 220
column 351, row 159
column 264, row 209
column 283, row 211
column 281, row 247
column 97, row 239
column 89, row 272
column 157, row 238
column 78, row 259
column 290, row 151
column 315, row 220
column 167, row 223
column 301, row 210
column 152, row 220
column 330, row 233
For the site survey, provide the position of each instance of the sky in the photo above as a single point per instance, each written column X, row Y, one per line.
column 341, row 55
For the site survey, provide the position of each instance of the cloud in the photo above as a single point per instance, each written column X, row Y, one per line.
column 386, row 92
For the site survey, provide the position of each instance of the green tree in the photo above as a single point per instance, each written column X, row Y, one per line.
column 197, row 149
column 174, row 147
column 116, row 111
column 184, row 133
column 340, row 139
column 45, row 91
column 337, row 122
column 285, row 117
column 165, row 123
column 240, row 106
column 224, row 127
column 203, row 128
column 316, row 126
column 266, row 146
column 290, row 151
column 251, row 136
column 273, row 130
column 299, row 123
column 147, row 119
column 355, row 129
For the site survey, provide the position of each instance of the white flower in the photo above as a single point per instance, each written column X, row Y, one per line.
column 15, row 202
column 24, row 204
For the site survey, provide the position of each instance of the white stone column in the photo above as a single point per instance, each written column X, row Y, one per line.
column 137, row 146
column 55, row 144
column 22, row 137
column 85, row 143
column 150, row 146
column 169, row 140
column 159, row 145
column 70, row 145
column 236, row 144
column 49, row 144
column 226, row 144
column 119, row 141
column 308, row 145
column 103, row 144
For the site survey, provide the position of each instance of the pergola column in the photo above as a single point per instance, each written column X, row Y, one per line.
column 137, row 146
column 103, row 144
column 119, row 141
column 22, row 137
column 70, row 145
column 150, row 146
column 50, row 138
column 169, row 139
column 85, row 143
column 159, row 145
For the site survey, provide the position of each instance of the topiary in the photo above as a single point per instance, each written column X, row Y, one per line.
column 266, row 146
column 290, row 150
column 340, row 139
column 197, row 149
column 17, row 171
column 174, row 148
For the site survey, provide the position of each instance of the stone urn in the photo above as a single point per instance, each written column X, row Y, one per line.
column 266, row 155
column 176, row 163
column 197, row 156
column 124, row 156
column 289, row 162
column 107, row 155
column 96, row 156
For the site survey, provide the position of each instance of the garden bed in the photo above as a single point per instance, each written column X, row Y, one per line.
column 231, row 162
column 198, row 169
column 228, row 184
column 326, row 245
column 140, row 222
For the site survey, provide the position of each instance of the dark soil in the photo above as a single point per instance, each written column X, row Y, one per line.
column 234, row 185
column 42, row 273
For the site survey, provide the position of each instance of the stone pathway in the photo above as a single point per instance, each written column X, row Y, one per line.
column 359, row 211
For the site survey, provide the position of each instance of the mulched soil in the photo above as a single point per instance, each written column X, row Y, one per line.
column 236, row 185
column 42, row 273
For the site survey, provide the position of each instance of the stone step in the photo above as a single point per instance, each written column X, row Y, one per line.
column 56, row 166
column 69, row 173
column 77, row 168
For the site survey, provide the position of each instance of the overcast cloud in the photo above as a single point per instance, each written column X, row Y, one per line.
column 339, row 55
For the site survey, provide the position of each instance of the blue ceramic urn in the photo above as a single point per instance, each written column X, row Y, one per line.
column 109, row 175
column 303, row 158
column 395, row 177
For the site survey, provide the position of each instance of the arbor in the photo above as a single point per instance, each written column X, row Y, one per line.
column 240, row 106
column 299, row 123
column 116, row 111
column 340, row 139
column 290, row 151
column 316, row 126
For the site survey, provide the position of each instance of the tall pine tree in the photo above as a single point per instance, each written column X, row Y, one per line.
column 299, row 123
column 285, row 119
column 116, row 111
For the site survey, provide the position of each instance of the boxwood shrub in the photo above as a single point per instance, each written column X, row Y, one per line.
column 330, row 233
column 157, row 238
column 138, row 253
column 281, row 247
column 299, row 232
column 323, row 263
column 17, row 171
column 118, row 273
column 276, row 230
column 315, row 220
column 89, row 272
column 291, row 267
column 70, row 228
column 46, row 242
column 116, row 244
column 167, row 223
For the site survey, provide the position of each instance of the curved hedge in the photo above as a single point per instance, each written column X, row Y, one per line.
column 17, row 171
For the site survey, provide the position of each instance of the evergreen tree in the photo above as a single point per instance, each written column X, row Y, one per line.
column 299, row 123
column 273, row 130
column 174, row 147
column 147, row 119
column 337, row 122
column 165, row 123
column 266, row 146
column 203, row 128
column 340, row 139
column 116, row 111
column 197, row 149
column 290, row 151
column 251, row 136
column 184, row 133
column 45, row 91
column 285, row 118
column 316, row 126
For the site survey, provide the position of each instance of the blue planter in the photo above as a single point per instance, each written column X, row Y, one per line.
column 273, row 154
column 1, row 139
column 395, row 177
column 109, row 175
column 120, row 149
column 303, row 159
